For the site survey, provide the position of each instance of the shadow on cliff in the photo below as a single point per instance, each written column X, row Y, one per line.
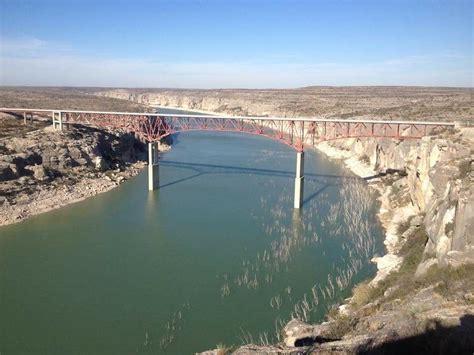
column 437, row 339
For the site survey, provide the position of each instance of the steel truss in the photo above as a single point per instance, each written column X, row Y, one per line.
column 295, row 132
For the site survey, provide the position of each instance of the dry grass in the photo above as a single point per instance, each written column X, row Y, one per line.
column 340, row 326
column 361, row 294
column 223, row 349
column 14, row 126
column 449, row 280
column 63, row 98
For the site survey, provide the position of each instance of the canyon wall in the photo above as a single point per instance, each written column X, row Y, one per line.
column 438, row 173
column 212, row 102
column 390, row 103
column 46, row 169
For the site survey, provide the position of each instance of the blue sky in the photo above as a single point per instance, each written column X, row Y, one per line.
column 228, row 44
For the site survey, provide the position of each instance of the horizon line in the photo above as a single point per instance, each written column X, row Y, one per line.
column 236, row 88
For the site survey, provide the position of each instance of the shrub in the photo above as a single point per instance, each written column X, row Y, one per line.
column 339, row 327
column 362, row 294
column 365, row 158
column 222, row 349
column 464, row 168
column 449, row 279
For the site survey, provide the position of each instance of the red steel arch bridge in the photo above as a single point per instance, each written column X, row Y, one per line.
column 295, row 132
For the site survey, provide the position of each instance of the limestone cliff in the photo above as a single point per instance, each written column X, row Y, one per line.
column 438, row 173
column 45, row 169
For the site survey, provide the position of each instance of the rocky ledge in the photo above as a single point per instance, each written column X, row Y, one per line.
column 46, row 169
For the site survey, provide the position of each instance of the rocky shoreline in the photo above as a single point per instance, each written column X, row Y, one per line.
column 49, row 198
column 45, row 169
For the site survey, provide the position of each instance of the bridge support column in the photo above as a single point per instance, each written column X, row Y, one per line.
column 57, row 120
column 153, row 166
column 299, row 179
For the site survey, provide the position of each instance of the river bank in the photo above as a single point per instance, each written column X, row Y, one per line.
column 44, row 169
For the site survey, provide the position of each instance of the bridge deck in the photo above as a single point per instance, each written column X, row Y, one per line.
column 265, row 118
column 293, row 131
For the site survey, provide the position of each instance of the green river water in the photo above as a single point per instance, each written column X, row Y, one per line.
column 216, row 255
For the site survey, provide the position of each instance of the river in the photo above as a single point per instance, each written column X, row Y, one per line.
column 217, row 255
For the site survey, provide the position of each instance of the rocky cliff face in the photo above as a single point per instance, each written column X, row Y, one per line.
column 46, row 169
column 212, row 102
column 438, row 174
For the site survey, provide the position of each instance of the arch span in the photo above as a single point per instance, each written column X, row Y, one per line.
column 295, row 132
column 268, row 136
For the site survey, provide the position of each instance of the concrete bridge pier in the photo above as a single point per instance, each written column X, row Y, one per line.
column 57, row 120
column 27, row 115
column 153, row 166
column 299, row 179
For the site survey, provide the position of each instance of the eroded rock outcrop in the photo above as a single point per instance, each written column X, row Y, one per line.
column 437, row 172
column 46, row 169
